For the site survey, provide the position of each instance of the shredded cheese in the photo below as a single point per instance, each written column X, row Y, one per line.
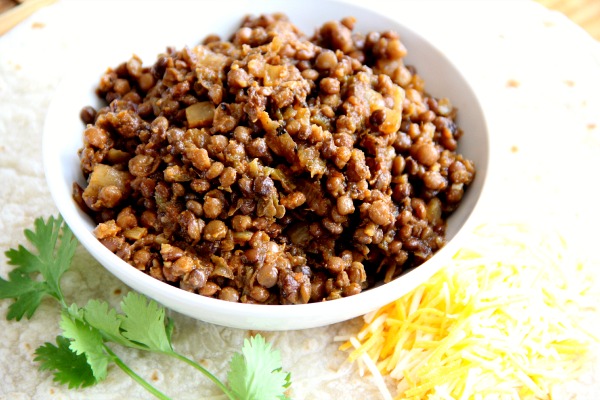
column 499, row 322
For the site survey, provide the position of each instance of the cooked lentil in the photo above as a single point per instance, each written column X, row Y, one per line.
column 272, row 167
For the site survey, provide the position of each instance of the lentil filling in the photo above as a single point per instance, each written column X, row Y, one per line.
column 273, row 167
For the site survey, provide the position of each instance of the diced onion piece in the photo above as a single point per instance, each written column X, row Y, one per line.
column 135, row 233
column 200, row 114
column 105, row 175
column 392, row 121
column 274, row 74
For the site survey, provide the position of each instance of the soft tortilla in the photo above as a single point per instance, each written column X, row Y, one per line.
column 30, row 69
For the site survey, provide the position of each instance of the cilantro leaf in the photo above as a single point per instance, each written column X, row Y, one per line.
column 68, row 367
column 53, row 261
column 144, row 323
column 28, row 294
column 74, row 311
column 87, row 341
column 38, row 275
column 256, row 373
column 81, row 356
column 106, row 320
column 26, row 260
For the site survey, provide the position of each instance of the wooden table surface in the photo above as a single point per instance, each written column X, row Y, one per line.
column 586, row 13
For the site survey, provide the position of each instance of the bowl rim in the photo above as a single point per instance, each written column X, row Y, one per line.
column 257, row 316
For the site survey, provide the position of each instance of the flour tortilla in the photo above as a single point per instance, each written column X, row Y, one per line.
column 32, row 58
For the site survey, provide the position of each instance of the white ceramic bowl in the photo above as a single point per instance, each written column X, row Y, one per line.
column 63, row 137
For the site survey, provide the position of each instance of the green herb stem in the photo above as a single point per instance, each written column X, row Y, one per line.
column 207, row 373
column 81, row 356
column 141, row 381
column 62, row 302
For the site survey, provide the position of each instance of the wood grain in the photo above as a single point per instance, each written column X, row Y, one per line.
column 18, row 11
column 6, row 5
column 585, row 13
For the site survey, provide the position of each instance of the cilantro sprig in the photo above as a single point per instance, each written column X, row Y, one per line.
column 255, row 377
column 81, row 355
column 50, row 263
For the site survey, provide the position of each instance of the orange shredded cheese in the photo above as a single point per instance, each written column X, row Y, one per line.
column 500, row 322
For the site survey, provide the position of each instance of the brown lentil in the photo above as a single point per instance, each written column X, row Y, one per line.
column 229, row 294
column 273, row 168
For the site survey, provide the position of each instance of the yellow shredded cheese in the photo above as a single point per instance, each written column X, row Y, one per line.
column 499, row 322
